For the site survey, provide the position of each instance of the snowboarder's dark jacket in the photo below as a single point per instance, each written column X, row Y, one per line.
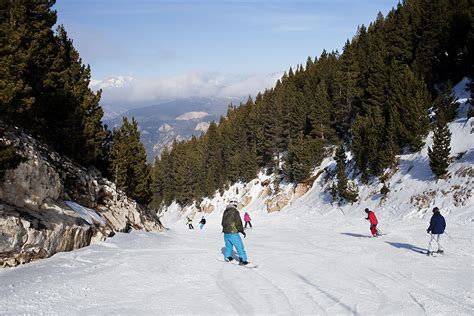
column 437, row 224
column 231, row 221
column 203, row 221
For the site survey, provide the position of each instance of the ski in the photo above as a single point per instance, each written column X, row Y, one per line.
column 433, row 254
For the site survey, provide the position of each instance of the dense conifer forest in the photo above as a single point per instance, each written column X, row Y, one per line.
column 374, row 98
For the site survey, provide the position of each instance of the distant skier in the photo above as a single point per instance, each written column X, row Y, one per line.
column 231, row 227
column 190, row 223
column 436, row 228
column 373, row 222
column 247, row 220
column 202, row 222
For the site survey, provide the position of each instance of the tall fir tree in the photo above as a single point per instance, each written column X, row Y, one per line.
column 320, row 114
column 303, row 154
column 27, row 53
column 439, row 152
column 341, row 170
column 348, row 91
column 446, row 102
column 128, row 162
column 343, row 190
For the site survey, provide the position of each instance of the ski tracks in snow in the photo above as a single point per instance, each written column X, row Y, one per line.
column 301, row 270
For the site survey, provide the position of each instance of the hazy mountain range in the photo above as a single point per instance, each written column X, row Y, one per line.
column 160, row 124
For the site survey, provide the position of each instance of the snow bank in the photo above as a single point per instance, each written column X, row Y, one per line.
column 89, row 215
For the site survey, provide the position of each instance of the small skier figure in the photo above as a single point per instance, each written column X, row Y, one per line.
column 189, row 221
column 202, row 222
column 436, row 228
column 247, row 220
column 231, row 227
column 373, row 222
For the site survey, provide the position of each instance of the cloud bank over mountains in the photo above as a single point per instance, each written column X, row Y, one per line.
column 134, row 92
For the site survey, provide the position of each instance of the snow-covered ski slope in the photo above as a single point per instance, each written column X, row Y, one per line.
column 319, row 267
column 313, row 257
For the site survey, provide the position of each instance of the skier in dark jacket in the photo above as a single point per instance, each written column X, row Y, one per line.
column 202, row 222
column 436, row 229
column 231, row 227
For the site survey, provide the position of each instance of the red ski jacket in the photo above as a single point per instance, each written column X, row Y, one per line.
column 372, row 218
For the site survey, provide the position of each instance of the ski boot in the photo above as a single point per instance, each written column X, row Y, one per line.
column 243, row 263
column 229, row 259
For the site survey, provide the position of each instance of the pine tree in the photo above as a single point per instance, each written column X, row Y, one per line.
column 409, row 99
column 399, row 34
column 128, row 162
column 302, row 155
column 213, row 160
column 439, row 152
column 74, row 114
column 271, row 133
column 446, row 102
column 348, row 91
column 26, row 55
column 320, row 114
column 344, row 191
column 341, row 170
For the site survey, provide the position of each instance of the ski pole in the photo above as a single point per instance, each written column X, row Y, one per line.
column 455, row 243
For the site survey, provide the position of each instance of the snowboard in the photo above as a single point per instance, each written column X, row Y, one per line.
column 236, row 262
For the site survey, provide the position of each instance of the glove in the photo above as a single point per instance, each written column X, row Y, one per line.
column 428, row 231
column 245, row 235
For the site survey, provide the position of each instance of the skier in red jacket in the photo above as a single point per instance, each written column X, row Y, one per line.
column 373, row 222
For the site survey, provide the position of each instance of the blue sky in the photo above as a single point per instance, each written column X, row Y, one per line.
column 160, row 39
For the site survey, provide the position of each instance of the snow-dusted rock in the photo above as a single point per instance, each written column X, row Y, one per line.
column 278, row 202
column 207, row 207
column 203, row 127
column 301, row 189
column 191, row 116
column 50, row 204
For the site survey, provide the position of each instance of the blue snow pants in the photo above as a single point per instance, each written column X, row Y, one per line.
column 233, row 240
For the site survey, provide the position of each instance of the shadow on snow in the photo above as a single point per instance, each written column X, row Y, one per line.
column 356, row 235
column 407, row 246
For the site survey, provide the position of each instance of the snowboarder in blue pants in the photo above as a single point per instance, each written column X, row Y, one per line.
column 231, row 227
column 202, row 223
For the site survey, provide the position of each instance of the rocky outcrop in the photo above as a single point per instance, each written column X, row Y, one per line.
column 207, row 207
column 50, row 204
column 276, row 202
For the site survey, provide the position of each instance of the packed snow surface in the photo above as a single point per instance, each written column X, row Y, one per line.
column 306, row 265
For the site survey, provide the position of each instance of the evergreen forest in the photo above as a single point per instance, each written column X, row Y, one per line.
column 375, row 98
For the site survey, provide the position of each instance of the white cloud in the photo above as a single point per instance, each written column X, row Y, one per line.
column 120, row 90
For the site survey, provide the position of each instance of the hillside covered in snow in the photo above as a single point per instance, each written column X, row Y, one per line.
column 313, row 256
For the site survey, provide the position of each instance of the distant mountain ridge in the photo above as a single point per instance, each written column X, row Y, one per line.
column 160, row 124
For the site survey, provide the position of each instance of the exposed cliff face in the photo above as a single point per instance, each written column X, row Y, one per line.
column 50, row 204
